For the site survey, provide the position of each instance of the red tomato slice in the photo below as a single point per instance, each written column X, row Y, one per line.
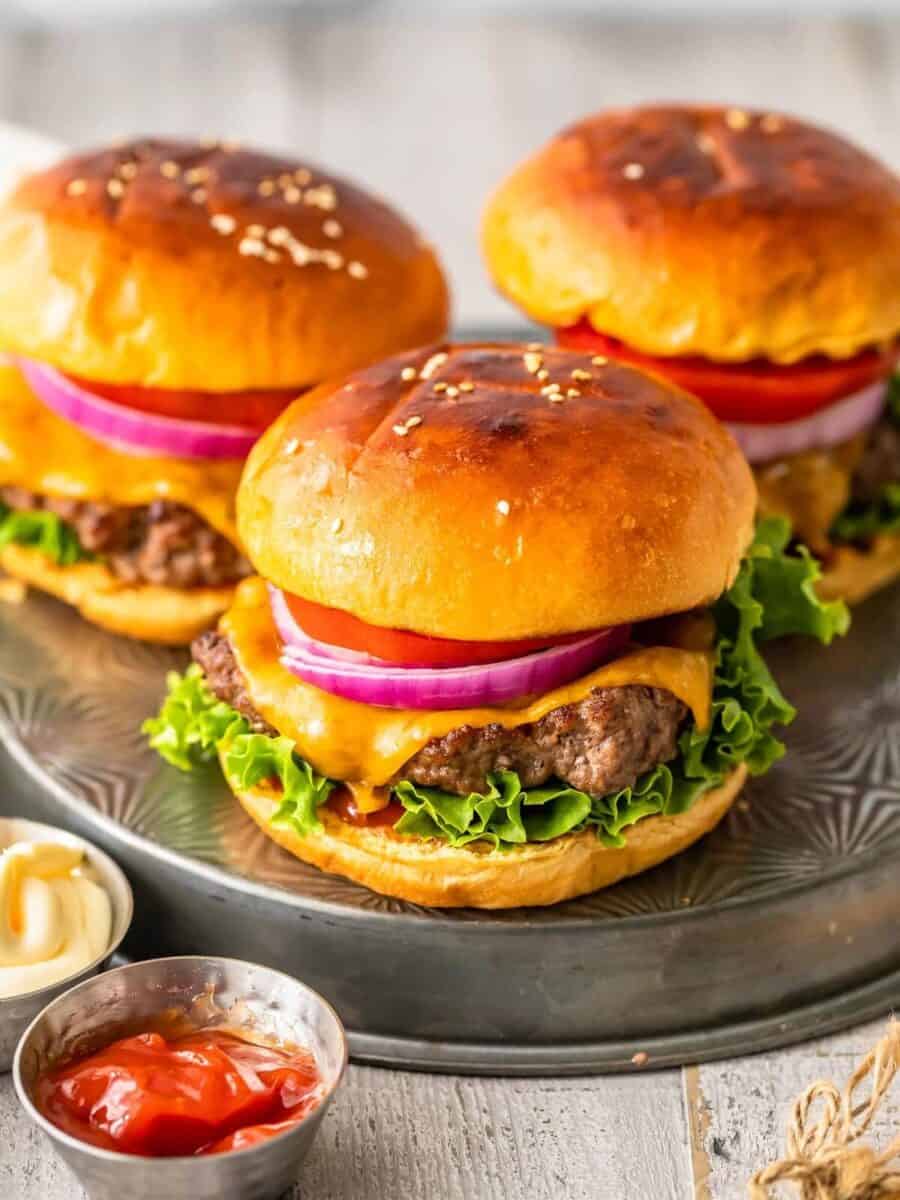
column 398, row 646
column 254, row 410
column 756, row 391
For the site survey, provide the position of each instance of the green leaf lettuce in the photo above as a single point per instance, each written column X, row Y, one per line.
column 45, row 531
column 772, row 596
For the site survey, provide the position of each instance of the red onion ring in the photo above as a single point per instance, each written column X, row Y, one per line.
column 129, row 430
column 829, row 426
column 377, row 683
column 295, row 638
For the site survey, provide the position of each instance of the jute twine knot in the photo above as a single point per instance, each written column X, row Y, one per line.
column 824, row 1160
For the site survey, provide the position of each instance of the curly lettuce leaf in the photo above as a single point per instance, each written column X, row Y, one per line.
column 773, row 595
column 45, row 531
column 863, row 520
column 193, row 726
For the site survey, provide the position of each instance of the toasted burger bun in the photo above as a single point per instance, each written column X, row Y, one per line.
column 442, row 492
column 172, row 616
column 699, row 230
column 195, row 266
column 432, row 873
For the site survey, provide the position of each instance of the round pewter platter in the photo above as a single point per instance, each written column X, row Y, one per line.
column 782, row 924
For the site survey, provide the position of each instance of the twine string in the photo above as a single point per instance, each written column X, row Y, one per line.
column 825, row 1159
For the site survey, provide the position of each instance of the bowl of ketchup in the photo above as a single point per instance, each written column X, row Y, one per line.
column 183, row 1077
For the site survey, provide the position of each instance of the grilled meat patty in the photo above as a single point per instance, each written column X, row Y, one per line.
column 159, row 543
column 599, row 745
column 880, row 462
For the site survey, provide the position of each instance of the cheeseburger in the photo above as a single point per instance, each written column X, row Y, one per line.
column 502, row 645
column 160, row 303
column 752, row 259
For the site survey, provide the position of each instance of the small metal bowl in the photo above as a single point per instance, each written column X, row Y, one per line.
column 208, row 992
column 17, row 1012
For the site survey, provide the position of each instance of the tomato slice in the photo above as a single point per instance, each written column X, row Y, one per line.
column 254, row 410
column 757, row 391
column 403, row 648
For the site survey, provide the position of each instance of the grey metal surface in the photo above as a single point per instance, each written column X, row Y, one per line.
column 211, row 991
column 781, row 924
column 17, row 1012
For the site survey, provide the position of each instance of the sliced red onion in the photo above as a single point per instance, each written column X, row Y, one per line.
column 829, row 427
column 128, row 429
column 457, row 687
column 295, row 638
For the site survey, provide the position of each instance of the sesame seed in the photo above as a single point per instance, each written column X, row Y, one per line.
column 736, row 118
column 285, row 179
column 302, row 176
column 169, row 169
column 271, row 256
column 76, row 187
column 127, row 170
column 452, row 392
column 543, row 374
column 357, row 270
column 412, row 422
column 293, row 195
column 322, row 196
column 705, row 143
column 440, row 386
column 251, row 246
column 503, row 508
column 573, row 393
column 467, row 386
column 556, row 398
column 332, row 260
column 408, row 374
column 600, row 360
column 292, row 446
column 256, row 231
column 196, row 175
column 223, row 223
column 533, row 361
column 772, row 123
column 279, row 235
column 552, row 389
column 337, row 525
column 266, row 187
column 198, row 195
column 115, row 187
column 432, row 364
column 633, row 170
column 400, row 430
column 580, row 375
column 300, row 254
column 332, row 228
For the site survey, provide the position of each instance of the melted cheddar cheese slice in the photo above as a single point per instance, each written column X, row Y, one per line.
column 43, row 453
column 366, row 746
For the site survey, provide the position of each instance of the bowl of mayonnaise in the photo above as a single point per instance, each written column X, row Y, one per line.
column 64, row 909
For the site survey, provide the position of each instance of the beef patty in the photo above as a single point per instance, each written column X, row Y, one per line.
column 159, row 543
column 599, row 745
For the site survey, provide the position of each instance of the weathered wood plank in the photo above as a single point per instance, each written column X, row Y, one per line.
column 739, row 1107
column 408, row 1136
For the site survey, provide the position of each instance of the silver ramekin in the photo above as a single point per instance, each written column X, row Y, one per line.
column 209, row 991
column 17, row 1012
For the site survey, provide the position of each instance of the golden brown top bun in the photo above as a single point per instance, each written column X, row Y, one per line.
column 718, row 232
column 496, row 492
column 205, row 266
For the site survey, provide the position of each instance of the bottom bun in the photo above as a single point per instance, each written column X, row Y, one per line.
column 853, row 574
column 154, row 614
column 432, row 873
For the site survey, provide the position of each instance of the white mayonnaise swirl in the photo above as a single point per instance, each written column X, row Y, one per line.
column 54, row 918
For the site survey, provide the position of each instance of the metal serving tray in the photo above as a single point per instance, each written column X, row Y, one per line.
column 780, row 925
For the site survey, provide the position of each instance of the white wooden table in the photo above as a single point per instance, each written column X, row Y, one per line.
column 432, row 116
column 673, row 1135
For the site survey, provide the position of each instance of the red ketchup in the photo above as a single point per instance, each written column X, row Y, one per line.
column 203, row 1093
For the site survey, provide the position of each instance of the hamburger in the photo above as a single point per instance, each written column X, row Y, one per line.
column 753, row 260
column 160, row 303
column 501, row 648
